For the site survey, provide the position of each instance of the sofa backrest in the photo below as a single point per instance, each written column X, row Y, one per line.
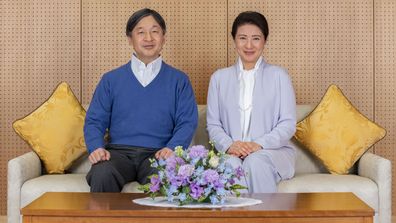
column 305, row 162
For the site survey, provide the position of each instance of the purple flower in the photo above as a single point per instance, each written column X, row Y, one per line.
column 176, row 180
column 218, row 184
column 198, row 152
column 155, row 184
column 172, row 161
column 186, row 171
column 239, row 172
column 194, row 175
column 210, row 176
column 196, row 191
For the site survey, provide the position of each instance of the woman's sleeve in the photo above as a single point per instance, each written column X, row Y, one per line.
column 214, row 125
column 286, row 126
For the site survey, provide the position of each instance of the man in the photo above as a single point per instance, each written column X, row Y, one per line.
column 147, row 106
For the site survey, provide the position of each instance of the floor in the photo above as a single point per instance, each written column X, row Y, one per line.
column 3, row 219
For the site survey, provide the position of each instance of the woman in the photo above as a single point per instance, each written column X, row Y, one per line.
column 251, row 109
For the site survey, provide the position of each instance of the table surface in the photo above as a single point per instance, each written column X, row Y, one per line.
column 274, row 205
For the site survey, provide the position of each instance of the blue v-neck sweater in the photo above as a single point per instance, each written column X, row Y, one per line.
column 162, row 114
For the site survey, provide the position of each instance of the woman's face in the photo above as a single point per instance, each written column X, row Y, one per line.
column 249, row 44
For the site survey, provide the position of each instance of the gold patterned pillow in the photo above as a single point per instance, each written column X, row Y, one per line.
column 55, row 130
column 337, row 133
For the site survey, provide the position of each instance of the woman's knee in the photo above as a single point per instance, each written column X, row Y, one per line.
column 234, row 161
column 258, row 163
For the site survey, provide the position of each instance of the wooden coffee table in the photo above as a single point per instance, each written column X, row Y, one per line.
column 118, row 207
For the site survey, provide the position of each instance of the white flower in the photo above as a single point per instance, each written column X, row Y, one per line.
column 214, row 161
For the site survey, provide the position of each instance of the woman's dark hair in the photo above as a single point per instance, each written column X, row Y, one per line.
column 250, row 17
column 139, row 15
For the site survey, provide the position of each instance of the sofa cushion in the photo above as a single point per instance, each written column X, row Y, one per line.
column 81, row 165
column 362, row 187
column 337, row 133
column 55, row 130
column 34, row 188
column 131, row 187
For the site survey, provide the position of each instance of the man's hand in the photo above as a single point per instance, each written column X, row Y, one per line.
column 164, row 153
column 98, row 155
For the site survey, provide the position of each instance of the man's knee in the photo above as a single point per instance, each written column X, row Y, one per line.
column 104, row 175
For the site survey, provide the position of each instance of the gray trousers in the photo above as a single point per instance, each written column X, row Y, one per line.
column 264, row 169
column 126, row 164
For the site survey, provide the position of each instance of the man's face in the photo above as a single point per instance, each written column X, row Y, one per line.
column 147, row 39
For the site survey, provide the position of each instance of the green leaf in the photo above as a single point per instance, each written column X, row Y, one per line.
column 153, row 195
column 237, row 186
column 202, row 199
column 186, row 190
column 163, row 190
column 144, row 188
column 179, row 151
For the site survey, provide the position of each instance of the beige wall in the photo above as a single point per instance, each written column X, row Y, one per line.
column 347, row 42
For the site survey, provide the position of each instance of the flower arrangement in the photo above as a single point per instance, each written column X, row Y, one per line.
column 194, row 175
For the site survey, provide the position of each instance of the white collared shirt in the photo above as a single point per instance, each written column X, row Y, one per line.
column 145, row 74
column 246, row 86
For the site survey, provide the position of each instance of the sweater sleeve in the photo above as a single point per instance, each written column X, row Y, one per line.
column 186, row 116
column 98, row 116
column 215, row 128
column 286, row 126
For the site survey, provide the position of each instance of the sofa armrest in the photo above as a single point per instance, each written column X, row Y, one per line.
column 379, row 170
column 20, row 169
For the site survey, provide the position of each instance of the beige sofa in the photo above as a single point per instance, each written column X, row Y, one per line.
column 370, row 179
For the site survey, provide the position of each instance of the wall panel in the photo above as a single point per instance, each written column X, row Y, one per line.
column 320, row 43
column 385, row 80
column 40, row 46
column 196, row 38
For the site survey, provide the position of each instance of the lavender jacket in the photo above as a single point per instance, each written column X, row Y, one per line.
column 273, row 119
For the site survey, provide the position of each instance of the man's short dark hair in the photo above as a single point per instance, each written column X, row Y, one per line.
column 139, row 15
column 250, row 17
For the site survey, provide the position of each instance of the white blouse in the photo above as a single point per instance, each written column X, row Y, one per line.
column 246, row 85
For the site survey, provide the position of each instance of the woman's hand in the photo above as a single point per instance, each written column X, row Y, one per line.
column 243, row 149
column 253, row 146
column 239, row 149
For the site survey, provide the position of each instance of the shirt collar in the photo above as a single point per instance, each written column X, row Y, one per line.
column 138, row 65
column 241, row 70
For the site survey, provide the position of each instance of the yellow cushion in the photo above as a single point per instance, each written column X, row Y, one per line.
column 337, row 133
column 55, row 130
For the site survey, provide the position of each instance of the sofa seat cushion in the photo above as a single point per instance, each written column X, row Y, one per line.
column 34, row 188
column 362, row 187
column 131, row 187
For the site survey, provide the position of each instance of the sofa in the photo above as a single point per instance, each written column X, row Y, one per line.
column 370, row 178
